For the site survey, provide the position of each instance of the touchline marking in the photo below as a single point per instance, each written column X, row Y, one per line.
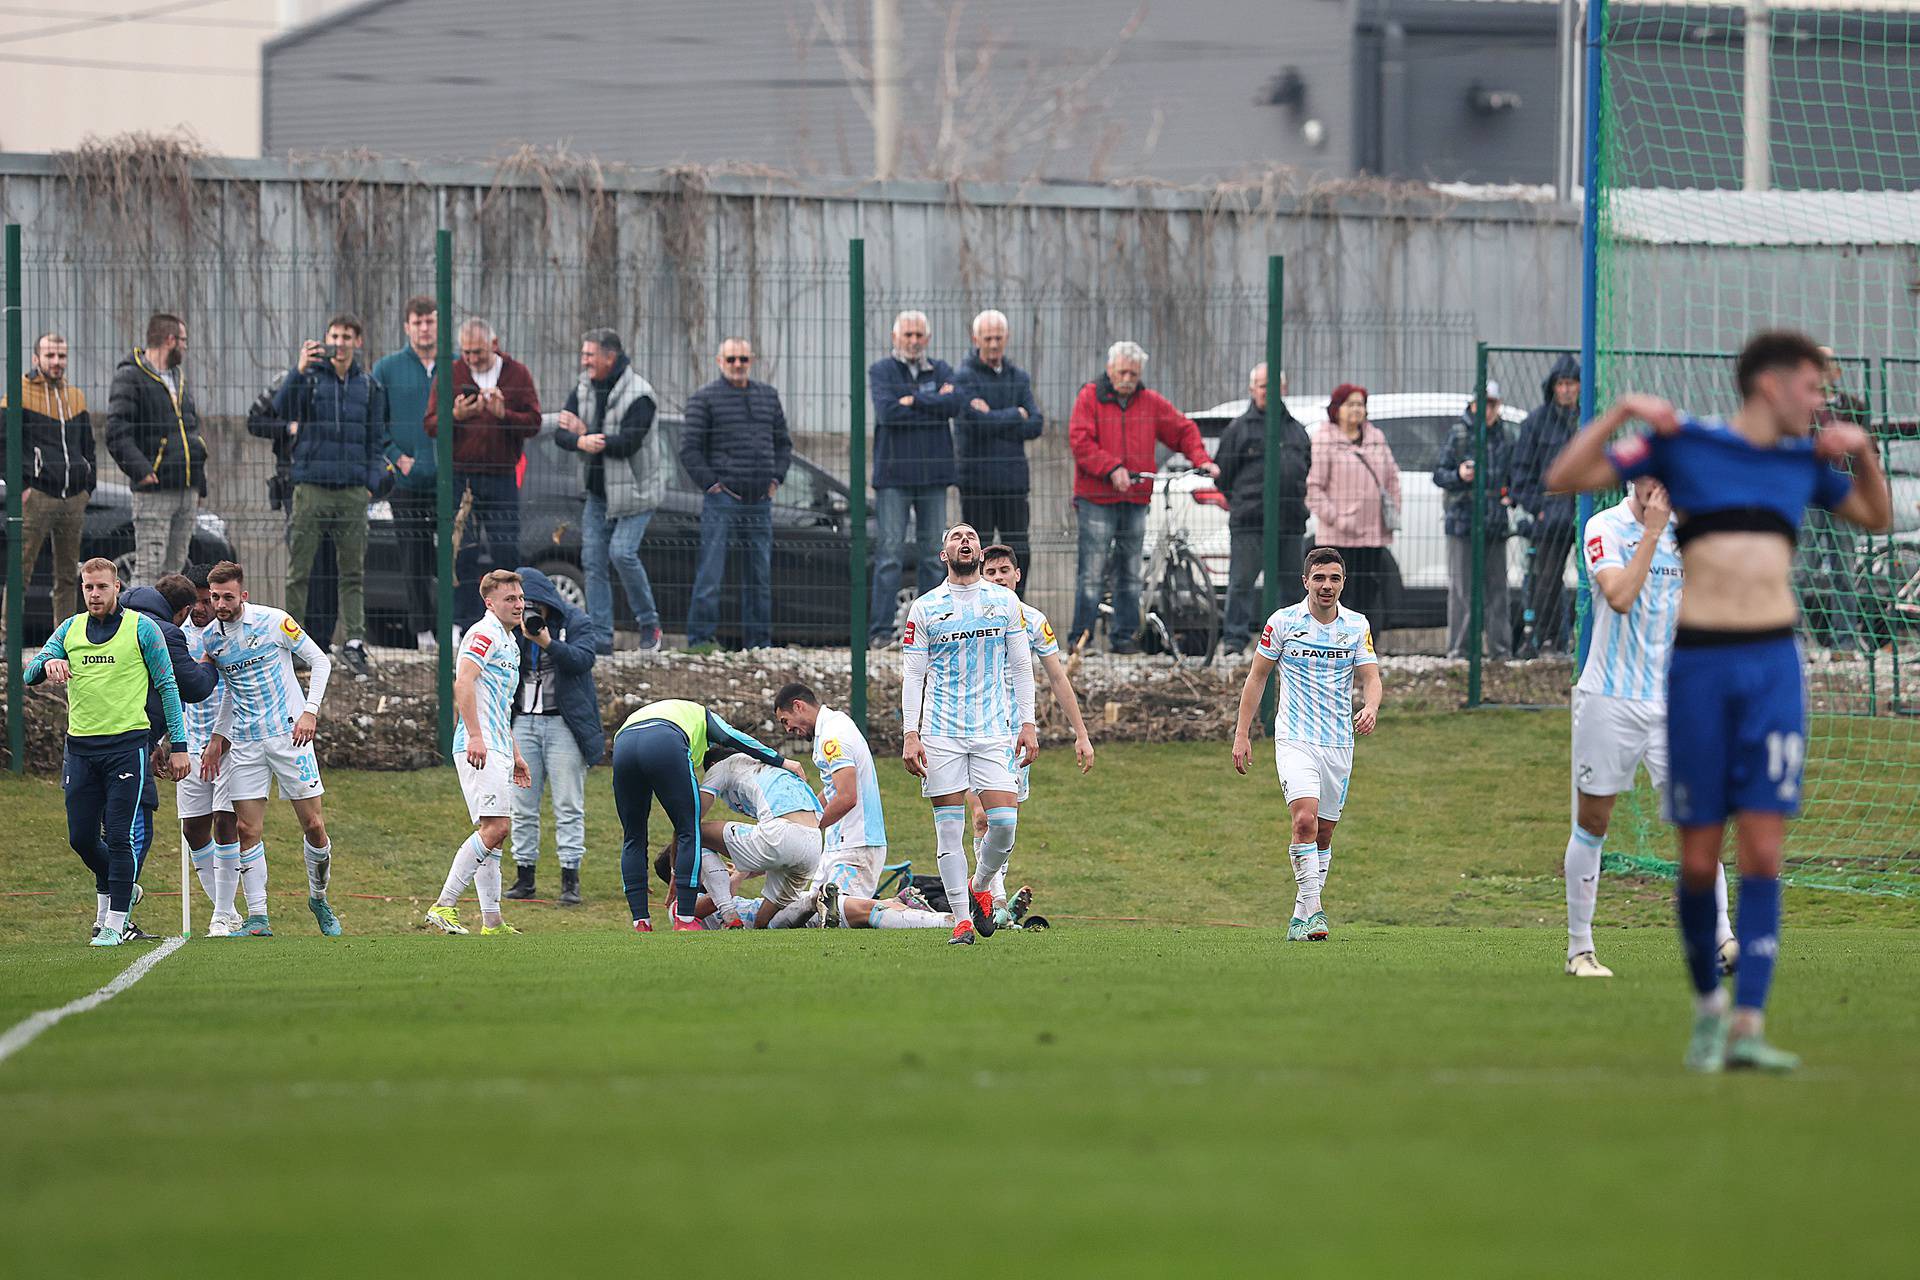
column 23, row 1033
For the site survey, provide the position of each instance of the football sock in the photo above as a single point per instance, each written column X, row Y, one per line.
column 1695, row 910
column 466, row 863
column 226, row 877
column 100, row 906
column 1306, row 878
column 718, row 882
column 1722, row 930
column 885, row 917
column 1320, row 885
column 1002, row 821
column 253, row 878
column 319, row 864
column 116, row 921
column 999, row 886
column 486, row 883
column 1582, row 867
column 204, row 868
column 949, row 821
column 793, row 915
column 1759, row 941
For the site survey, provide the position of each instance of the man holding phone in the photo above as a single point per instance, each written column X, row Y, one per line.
column 341, row 454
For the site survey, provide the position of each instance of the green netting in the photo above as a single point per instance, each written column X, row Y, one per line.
column 1762, row 169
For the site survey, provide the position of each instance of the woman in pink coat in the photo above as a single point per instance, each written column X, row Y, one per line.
column 1351, row 486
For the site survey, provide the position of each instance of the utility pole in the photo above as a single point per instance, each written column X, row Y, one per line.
column 886, row 87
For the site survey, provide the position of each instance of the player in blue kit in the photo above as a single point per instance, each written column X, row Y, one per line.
column 1736, row 699
column 1322, row 651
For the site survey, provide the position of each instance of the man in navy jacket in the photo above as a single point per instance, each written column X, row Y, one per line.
column 998, row 415
column 914, row 401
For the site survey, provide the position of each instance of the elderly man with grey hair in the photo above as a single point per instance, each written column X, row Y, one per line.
column 496, row 410
column 914, row 401
column 1115, row 425
column 998, row 415
column 608, row 420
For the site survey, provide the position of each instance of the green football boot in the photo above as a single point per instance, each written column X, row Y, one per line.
column 105, row 938
column 1317, row 929
column 1296, row 930
column 323, row 916
column 497, row 930
column 254, row 927
column 1753, row 1053
column 1707, row 1050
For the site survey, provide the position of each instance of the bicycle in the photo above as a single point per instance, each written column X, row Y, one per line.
column 1180, row 611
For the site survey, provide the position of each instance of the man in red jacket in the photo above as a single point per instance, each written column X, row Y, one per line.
column 495, row 412
column 1116, row 422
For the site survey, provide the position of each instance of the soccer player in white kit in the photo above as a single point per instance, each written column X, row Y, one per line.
column 998, row 565
column 966, row 683
column 1620, row 703
column 1322, row 651
column 484, row 754
column 204, row 807
column 260, row 738
column 781, row 842
column 854, row 825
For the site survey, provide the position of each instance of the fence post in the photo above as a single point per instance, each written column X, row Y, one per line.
column 858, row 585
column 1589, row 311
column 16, row 542
column 1477, row 529
column 443, row 484
column 1270, row 495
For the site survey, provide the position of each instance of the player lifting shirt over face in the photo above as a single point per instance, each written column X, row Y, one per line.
column 1736, row 700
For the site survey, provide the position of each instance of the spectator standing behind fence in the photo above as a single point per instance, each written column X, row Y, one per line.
column 153, row 433
column 914, row 401
column 1542, row 436
column 56, row 433
column 1115, row 424
column 1454, row 474
column 609, row 420
column 556, row 727
column 997, row 416
column 407, row 375
column 1353, row 491
column 735, row 447
column 1242, row 454
column 495, row 412
column 323, row 598
column 341, row 457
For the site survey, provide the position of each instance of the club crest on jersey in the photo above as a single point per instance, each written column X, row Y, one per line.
column 1596, row 548
column 291, row 628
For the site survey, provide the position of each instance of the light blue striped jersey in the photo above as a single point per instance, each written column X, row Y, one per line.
column 1315, row 662
column 962, row 631
column 1627, row 657
column 1041, row 641
column 841, row 755
column 200, row 716
column 489, row 646
column 760, row 791
column 255, row 654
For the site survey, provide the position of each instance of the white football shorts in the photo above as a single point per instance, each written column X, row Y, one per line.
column 1612, row 737
column 193, row 798
column 787, row 852
column 855, row 868
column 250, row 768
column 969, row 764
column 489, row 791
column 1309, row 769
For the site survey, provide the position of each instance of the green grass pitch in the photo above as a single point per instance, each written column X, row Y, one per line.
column 1425, row 1094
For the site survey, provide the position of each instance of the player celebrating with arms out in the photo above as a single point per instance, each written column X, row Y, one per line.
column 1736, row 698
column 1620, row 703
column 966, row 683
column 484, row 752
column 259, row 739
column 1321, row 649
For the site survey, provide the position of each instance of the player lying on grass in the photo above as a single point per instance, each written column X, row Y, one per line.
column 108, row 657
column 263, row 735
column 1736, row 697
column 835, row 910
column 1322, row 649
column 999, row 567
column 485, row 756
column 967, row 686
column 1620, row 703
column 782, row 842
column 654, row 754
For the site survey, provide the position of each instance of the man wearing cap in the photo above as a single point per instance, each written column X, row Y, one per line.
column 1454, row 474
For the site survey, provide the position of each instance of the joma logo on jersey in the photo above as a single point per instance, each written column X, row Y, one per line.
column 97, row 659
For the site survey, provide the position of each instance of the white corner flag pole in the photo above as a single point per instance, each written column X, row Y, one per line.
column 186, row 888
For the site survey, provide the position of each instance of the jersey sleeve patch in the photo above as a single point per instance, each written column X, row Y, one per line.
column 831, row 750
column 1632, row 457
column 912, row 628
column 1596, row 550
column 291, row 629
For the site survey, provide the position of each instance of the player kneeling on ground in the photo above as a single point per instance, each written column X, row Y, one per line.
column 782, row 842
column 484, row 753
column 1321, row 649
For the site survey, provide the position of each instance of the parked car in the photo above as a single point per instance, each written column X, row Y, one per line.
column 812, row 546
column 1416, row 426
column 108, row 532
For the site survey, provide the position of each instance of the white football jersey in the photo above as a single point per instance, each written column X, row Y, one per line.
column 255, row 655
column 1315, row 663
column 1627, row 656
column 489, row 646
column 841, row 755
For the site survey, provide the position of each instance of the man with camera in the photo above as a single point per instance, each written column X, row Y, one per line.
column 340, row 457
